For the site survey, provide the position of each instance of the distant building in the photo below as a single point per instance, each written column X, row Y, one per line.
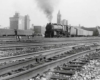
column 19, row 22
column 59, row 18
column 39, row 30
column 32, row 26
column 14, row 21
column 64, row 22
column 27, row 22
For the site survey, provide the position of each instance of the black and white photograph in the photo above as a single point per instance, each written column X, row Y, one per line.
column 49, row 39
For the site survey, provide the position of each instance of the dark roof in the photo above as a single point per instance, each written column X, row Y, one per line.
column 89, row 29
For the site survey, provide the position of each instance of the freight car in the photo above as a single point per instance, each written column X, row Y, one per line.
column 83, row 33
column 25, row 32
column 6, row 32
column 72, row 31
column 79, row 32
column 11, row 32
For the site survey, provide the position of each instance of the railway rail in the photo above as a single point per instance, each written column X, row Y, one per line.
column 12, row 63
column 75, row 67
column 24, row 75
column 21, row 46
column 15, row 51
column 28, row 59
column 23, row 56
column 48, row 42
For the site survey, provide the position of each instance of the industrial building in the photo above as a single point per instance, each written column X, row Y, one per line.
column 19, row 22
column 39, row 30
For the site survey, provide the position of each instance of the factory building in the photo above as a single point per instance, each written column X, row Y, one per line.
column 59, row 18
column 39, row 30
column 14, row 21
column 19, row 22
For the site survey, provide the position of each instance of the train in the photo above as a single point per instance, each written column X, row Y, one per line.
column 58, row 30
column 14, row 32
column 52, row 30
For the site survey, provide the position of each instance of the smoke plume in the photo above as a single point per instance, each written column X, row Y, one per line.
column 47, row 6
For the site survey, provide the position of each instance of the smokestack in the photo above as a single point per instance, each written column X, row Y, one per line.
column 47, row 6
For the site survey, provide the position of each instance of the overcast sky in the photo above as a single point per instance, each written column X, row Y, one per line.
column 83, row 12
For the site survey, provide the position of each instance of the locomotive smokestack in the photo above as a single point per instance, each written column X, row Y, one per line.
column 50, row 21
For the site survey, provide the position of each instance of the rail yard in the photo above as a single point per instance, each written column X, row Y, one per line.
column 37, row 43
column 47, row 58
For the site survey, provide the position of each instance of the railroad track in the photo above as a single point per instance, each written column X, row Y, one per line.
column 21, row 47
column 21, row 44
column 25, row 75
column 23, row 56
column 24, row 60
column 72, row 68
column 29, row 55
column 50, row 52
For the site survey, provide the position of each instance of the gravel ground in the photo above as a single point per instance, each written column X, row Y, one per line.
column 91, row 71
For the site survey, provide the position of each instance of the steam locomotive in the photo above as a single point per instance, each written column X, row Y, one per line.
column 55, row 30
column 58, row 30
